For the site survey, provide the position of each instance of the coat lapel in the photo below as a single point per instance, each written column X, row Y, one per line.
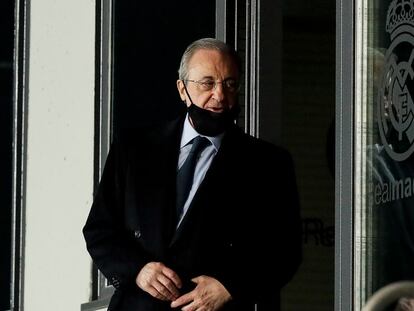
column 157, row 185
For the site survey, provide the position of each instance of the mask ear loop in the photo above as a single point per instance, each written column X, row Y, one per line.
column 186, row 91
column 189, row 97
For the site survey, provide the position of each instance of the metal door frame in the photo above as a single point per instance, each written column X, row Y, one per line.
column 344, row 193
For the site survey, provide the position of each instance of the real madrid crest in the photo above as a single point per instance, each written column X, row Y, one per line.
column 396, row 108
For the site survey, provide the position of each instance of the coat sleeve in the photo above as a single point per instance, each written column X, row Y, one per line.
column 112, row 249
column 282, row 230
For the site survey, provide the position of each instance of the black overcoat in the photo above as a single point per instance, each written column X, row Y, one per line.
column 242, row 228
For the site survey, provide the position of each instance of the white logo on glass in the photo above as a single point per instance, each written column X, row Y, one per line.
column 396, row 107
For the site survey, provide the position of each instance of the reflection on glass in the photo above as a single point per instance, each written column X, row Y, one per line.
column 385, row 115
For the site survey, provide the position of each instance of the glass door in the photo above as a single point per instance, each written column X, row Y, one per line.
column 384, row 145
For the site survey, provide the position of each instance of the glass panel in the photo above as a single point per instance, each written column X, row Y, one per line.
column 149, row 38
column 307, row 119
column 384, row 171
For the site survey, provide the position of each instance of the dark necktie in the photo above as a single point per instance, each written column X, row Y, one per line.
column 185, row 174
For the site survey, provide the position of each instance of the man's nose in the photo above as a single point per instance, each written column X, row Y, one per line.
column 219, row 92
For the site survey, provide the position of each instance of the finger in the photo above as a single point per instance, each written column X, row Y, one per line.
column 183, row 300
column 196, row 279
column 155, row 293
column 169, row 285
column 163, row 291
column 172, row 276
column 190, row 307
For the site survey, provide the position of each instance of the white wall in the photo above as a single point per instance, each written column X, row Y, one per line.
column 59, row 154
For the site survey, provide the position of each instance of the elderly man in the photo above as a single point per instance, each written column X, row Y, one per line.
column 195, row 214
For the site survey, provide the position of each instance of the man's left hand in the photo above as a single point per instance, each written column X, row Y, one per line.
column 208, row 295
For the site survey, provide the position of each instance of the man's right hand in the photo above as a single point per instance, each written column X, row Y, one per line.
column 159, row 281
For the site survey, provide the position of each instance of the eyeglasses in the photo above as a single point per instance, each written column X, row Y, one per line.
column 231, row 85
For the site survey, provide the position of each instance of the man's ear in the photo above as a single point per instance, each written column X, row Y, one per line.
column 181, row 91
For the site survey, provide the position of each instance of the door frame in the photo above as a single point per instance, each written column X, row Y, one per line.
column 344, row 157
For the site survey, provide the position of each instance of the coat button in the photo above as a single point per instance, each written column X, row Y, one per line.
column 137, row 234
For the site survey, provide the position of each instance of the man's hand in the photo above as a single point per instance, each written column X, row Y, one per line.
column 159, row 281
column 209, row 295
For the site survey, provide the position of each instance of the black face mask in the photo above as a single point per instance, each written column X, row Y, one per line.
column 211, row 123
column 208, row 122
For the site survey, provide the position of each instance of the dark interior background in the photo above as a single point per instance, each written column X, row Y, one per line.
column 308, row 115
column 150, row 37
column 6, row 101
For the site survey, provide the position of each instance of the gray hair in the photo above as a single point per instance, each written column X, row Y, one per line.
column 205, row 44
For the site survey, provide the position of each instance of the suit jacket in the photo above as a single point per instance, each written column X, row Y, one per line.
column 242, row 227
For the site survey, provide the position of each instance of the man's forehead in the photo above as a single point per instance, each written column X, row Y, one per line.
column 208, row 59
column 211, row 53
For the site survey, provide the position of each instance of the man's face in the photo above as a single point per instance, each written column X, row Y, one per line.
column 209, row 66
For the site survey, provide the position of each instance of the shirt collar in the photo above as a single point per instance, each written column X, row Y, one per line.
column 189, row 133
